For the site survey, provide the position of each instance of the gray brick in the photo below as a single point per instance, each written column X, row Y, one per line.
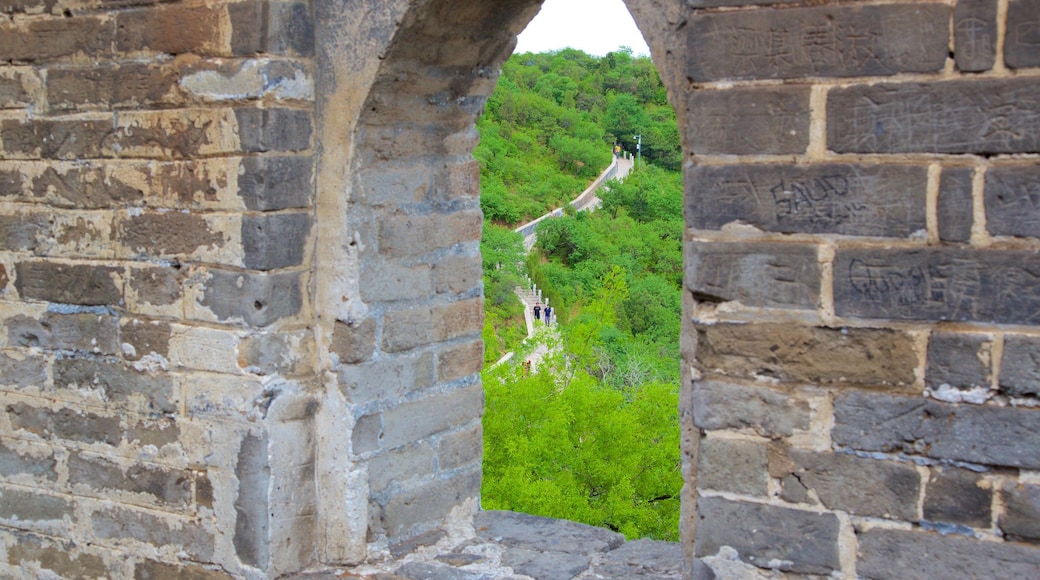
column 460, row 448
column 999, row 436
column 417, row 419
column 427, row 504
column 158, row 286
column 119, row 384
column 171, row 487
column 119, row 524
column 273, row 183
column 958, row 360
column 386, row 280
column 955, row 206
column 65, row 424
column 861, row 200
column 859, row 486
column 13, row 463
column 400, row 465
column 840, row 41
column 976, row 116
column 152, row 570
column 354, row 342
column 537, row 533
column 772, row 120
column 769, row 536
column 975, row 34
column 281, row 130
column 23, row 505
column 733, row 466
column 414, row 327
column 1020, row 366
column 1023, row 34
column 252, row 509
column 68, row 284
column 274, row 241
column 23, row 371
column 271, row 26
column 926, row 556
column 1013, row 201
column 1021, row 520
column 254, row 299
column 390, row 378
column 85, row 332
column 25, row 232
column 756, row 274
column 56, row 556
column 769, row 413
column 957, row 496
column 955, row 284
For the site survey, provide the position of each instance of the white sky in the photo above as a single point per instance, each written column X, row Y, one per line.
column 594, row 26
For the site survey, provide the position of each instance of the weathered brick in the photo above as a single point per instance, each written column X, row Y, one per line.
column 102, row 86
column 1023, row 34
column 277, row 353
column 861, row 356
column 1020, row 366
column 172, row 134
column 87, row 187
column 68, row 283
column 768, row 413
column 427, row 504
column 955, row 206
column 24, row 232
column 262, row 130
column 271, row 26
column 957, row 496
column 769, row 536
column 120, row 524
column 975, row 34
column 54, row 138
column 246, row 79
column 1013, row 201
column 64, row 424
column 44, row 39
column 273, row 183
column 157, row 432
column 773, row 120
column 390, row 378
column 957, row 284
column 859, row 486
column 26, row 508
column 407, row 329
column 919, row 426
column 119, row 384
column 1021, row 519
column 417, row 419
column 37, row 464
column 84, row 331
column 962, row 361
column 173, row 29
column 460, row 361
column 139, row 338
column 58, row 557
column 252, row 524
column 167, row 486
column 457, row 274
column 399, row 465
column 354, row 342
column 386, row 184
column 13, row 88
column 388, row 280
column 460, row 448
column 274, row 241
column 253, row 299
column 962, row 116
column 917, row 555
column 22, row 369
column 819, row 41
column 733, row 466
column 756, row 274
column 860, row 200
column 415, row 235
column 158, row 286
column 152, row 570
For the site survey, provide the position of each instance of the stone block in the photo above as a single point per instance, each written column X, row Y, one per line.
column 433, row 571
column 962, row 361
column 733, row 466
column 367, row 434
column 53, row 138
column 975, row 35
column 95, row 333
column 271, row 26
column 80, row 284
column 25, row 232
column 388, row 280
column 940, row 284
column 170, row 235
column 419, row 418
column 400, row 465
column 1023, row 34
column 158, row 286
column 64, row 424
column 163, row 485
column 153, row 570
column 998, row 436
column 962, row 116
column 171, row 29
column 113, row 524
column 252, row 522
column 274, row 183
column 957, row 496
column 23, row 507
column 23, row 370
column 872, row 357
column 1013, row 200
column 41, row 39
column 279, row 130
column 143, row 338
column 458, row 274
column 460, row 448
column 755, row 274
column 524, row 531
column 277, row 353
column 57, row 557
column 642, row 558
column 270, row 242
column 1021, row 519
column 768, row 536
column 109, row 85
column 428, row 504
column 545, row 565
column 1020, row 366
column 841, row 41
column 859, row 200
column 955, row 209
column 158, row 432
column 460, row 361
column 402, row 236
column 117, row 383
column 253, row 299
column 80, row 184
column 769, row 413
column 14, row 88
column 387, row 184
column 388, row 378
column 856, row 485
column 408, row 329
column 37, row 463
column 354, row 343
column 916, row 555
column 772, row 120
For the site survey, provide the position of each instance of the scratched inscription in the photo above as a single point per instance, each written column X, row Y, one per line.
column 940, row 284
column 743, row 121
column 768, row 275
column 1013, row 201
column 818, row 41
column 1022, row 46
column 991, row 116
column 880, row 200
column 975, row 34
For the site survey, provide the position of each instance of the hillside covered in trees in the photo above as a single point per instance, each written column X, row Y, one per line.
column 593, row 434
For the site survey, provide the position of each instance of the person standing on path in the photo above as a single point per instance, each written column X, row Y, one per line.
column 537, row 311
column 548, row 313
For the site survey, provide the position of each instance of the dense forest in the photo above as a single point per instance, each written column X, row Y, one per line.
column 592, row 435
